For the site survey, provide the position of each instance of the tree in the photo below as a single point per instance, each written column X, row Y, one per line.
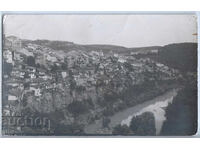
column 143, row 124
column 30, row 61
column 26, row 85
column 129, row 66
column 72, row 129
column 26, row 75
column 186, row 54
column 7, row 68
column 122, row 130
column 54, row 68
column 64, row 66
column 77, row 108
column 105, row 122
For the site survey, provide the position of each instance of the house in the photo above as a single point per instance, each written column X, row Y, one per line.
column 91, row 80
column 134, row 53
column 51, row 58
column 13, row 85
column 31, row 46
column 31, row 69
column 103, row 79
column 37, row 91
column 49, row 86
column 64, row 74
column 40, row 72
column 101, row 53
column 159, row 65
column 18, row 57
column 22, row 74
column 116, row 55
column 40, row 59
column 8, row 56
column 137, row 64
column 79, row 80
column 15, row 73
column 13, row 42
column 6, row 43
column 94, row 53
column 5, row 76
column 12, row 98
column 26, row 52
column 32, row 75
column 154, row 51
column 21, row 86
column 121, row 60
column 6, row 111
column 45, row 77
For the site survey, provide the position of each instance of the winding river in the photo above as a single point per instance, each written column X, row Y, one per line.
column 156, row 106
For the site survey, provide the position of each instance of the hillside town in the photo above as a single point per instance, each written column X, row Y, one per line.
column 82, row 86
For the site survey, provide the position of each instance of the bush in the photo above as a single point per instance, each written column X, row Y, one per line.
column 77, row 108
column 7, row 68
column 73, row 129
column 185, row 52
column 143, row 124
column 30, row 61
column 110, row 97
column 122, row 130
column 108, row 111
column 105, row 122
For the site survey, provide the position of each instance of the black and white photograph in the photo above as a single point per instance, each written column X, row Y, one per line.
column 99, row 74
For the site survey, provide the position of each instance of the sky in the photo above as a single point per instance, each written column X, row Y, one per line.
column 124, row 30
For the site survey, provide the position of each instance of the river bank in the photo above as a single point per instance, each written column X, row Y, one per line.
column 156, row 106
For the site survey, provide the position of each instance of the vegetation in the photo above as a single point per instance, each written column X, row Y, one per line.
column 185, row 52
column 30, row 61
column 105, row 122
column 121, row 86
column 122, row 130
column 143, row 124
column 182, row 113
column 77, row 108
column 7, row 68
column 73, row 129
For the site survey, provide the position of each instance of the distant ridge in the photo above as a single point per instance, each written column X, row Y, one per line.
column 106, row 48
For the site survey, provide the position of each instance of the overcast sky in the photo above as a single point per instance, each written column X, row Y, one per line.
column 124, row 30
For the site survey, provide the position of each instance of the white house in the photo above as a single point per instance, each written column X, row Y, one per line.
column 37, row 91
column 32, row 75
column 8, row 56
column 64, row 74
column 12, row 98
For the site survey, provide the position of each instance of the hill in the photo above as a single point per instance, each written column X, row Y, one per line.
column 181, row 56
column 69, row 46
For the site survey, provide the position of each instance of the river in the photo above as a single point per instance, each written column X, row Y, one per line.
column 156, row 106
